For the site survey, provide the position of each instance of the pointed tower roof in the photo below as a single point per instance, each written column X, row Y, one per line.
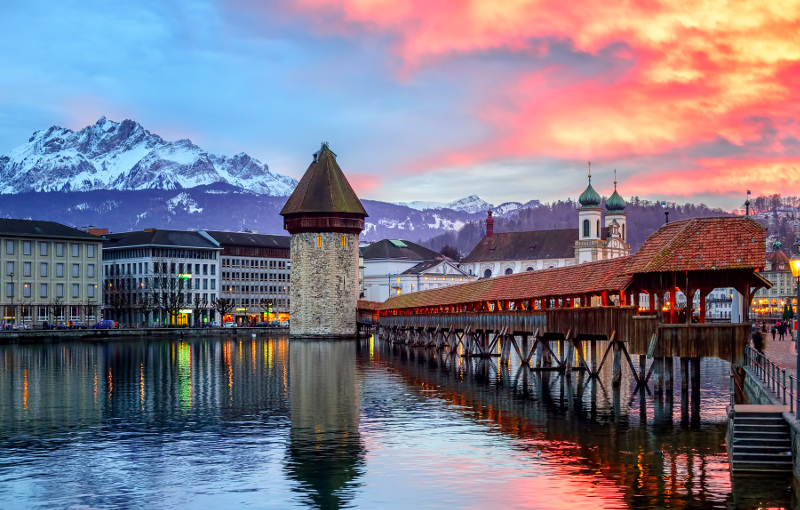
column 323, row 200
column 615, row 203
column 589, row 198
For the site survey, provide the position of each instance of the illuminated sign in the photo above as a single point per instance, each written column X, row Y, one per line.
column 241, row 309
column 185, row 276
column 185, row 311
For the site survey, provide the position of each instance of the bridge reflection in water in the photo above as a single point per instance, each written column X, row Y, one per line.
column 624, row 433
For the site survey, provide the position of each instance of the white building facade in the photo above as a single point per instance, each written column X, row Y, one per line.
column 159, row 277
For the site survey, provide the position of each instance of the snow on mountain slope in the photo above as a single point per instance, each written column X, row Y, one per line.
column 470, row 204
column 125, row 156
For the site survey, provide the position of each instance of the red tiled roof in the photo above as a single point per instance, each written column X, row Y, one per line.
column 363, row 304
column 589, row 278
column 700, row 244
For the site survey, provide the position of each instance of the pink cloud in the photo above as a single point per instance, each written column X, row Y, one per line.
column 695, row 72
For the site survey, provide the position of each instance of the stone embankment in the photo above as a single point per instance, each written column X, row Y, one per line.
column 127, row 334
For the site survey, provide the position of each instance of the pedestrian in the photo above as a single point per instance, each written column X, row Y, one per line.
column 758, row 341
column 772, row 330
column 764, row 327
column 781, row 330
column 789, row 328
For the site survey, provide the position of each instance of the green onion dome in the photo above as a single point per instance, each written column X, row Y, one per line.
column 615, row 203
column 589, row 198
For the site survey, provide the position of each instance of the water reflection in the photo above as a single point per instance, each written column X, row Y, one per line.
column 224, row 423
column 325, row 453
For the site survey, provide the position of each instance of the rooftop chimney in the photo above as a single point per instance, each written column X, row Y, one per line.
column 489, row 225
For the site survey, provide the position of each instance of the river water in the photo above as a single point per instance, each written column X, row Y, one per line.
column 267, row 423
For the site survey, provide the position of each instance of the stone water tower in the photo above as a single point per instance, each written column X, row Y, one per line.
column 324, row 217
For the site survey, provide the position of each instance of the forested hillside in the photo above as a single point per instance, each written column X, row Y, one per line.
column 644, row 217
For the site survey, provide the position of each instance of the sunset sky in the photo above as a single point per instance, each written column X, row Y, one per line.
column 432, row 99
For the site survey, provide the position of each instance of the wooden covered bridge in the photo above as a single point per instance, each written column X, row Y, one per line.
column 557, row 318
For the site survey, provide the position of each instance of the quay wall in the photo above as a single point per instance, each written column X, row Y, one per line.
column 105, row 335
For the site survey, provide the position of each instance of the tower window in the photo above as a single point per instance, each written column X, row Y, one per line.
column 623, row 231
column 319, row 241
column 598, row 229
column 586, row 228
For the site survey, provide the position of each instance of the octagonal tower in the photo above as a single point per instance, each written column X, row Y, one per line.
column 324, row 217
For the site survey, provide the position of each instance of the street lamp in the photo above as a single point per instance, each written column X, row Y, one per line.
column 13, row 312
column 794, row 264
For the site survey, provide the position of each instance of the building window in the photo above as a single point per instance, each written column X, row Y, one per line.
column 60, row 290
column 90, row 250
column 623, row 231
column 43, row 290
column 26, row 290
column 90, row 291
column 10, row 247
column 60, row 269
column 344, row 242
column 9, row 269
column 43, row 269
column 59, row 249
column 76, row 290
column 43, row 249
column 319, row 241
column 586, row 228
column 509, row 271
column 213, row 270
column 90, row 270
column 42, row 313
column 213, row 284
column 76, row 250
column 26, row 247
column 26, row 269
column 598, row 229
column 487, row 273
column 76, row 270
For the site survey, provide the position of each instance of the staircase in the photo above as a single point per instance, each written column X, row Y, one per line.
column 759, row 439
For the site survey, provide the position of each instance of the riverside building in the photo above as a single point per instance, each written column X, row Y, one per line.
column 51, row 273
column 160, row 277
column 255, row 276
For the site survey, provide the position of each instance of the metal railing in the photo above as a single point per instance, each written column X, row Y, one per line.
column 772, row 376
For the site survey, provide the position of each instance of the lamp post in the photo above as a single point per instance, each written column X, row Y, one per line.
column 794, row 264
column 13, row 312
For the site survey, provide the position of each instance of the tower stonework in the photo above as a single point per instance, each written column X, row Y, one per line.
column 324, row 217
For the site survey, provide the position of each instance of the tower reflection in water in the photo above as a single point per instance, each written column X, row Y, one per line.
column 325, row 453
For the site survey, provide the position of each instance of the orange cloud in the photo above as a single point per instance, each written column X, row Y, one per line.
column 684, row 73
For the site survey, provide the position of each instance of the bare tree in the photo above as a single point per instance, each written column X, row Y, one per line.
column 199, row 306
column 56, row 308
column 223, row 306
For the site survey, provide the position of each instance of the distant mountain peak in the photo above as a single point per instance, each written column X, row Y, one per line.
column 125, row 156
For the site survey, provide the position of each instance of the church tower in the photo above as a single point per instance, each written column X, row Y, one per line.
column 615, row 207
column 324, row 217
column 589, row 217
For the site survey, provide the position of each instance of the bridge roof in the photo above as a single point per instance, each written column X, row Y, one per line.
column 702, row 244
column 589, row 278
column 707, row 245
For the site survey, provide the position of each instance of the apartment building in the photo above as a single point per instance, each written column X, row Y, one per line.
column 50, row 271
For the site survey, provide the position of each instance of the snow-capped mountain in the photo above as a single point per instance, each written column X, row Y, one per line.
column 470, row 204
column 125, row 156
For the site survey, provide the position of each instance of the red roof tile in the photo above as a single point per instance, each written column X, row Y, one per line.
column 702, row 244
column 698, row 244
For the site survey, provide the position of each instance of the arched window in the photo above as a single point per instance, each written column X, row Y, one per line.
column 623, row 231
column 529, row 269
column 487, row 273
column 585, row 228
column 598, row 229
column 509, row 271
